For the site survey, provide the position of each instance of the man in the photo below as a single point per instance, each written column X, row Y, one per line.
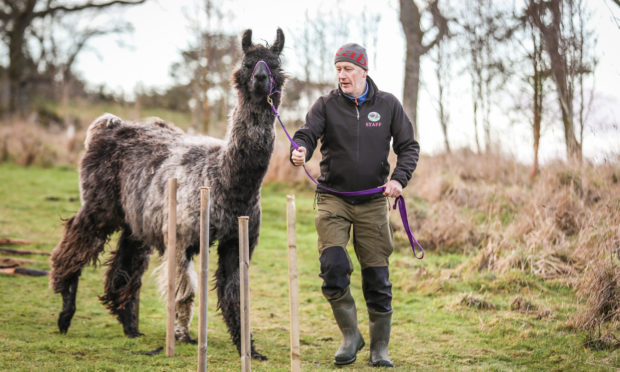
column 356, row 124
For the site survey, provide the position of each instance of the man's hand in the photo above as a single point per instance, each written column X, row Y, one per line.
column 393, row 189
column 299, row 156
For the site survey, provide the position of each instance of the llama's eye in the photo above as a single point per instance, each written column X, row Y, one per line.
column 248, row 64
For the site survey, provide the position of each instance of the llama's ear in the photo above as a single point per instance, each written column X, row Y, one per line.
column 278, row 45
column 246, row 40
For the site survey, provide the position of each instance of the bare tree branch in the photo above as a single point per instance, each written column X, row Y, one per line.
column 16, row 18
column 440, row 22
column 88, row 5
column 553, row 40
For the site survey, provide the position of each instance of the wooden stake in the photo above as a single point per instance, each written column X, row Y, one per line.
column 244, row 287
column 293, row 286
column 13, row 262
column 8, row 241
column 23, row 271
column 22, row 252
column 172, row 243
column 204, row 278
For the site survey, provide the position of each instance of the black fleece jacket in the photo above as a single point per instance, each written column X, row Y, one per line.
column 355, row 141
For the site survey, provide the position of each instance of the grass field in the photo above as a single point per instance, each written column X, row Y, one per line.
column 445, row 318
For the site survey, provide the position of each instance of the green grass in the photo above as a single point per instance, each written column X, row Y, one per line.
column 432, row 329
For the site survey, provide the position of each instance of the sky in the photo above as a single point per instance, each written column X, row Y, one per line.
column 164, row 27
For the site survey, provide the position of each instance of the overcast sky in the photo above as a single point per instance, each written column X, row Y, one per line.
column 164, row 27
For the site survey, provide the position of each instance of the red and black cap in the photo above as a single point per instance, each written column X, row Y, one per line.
column 353, row 53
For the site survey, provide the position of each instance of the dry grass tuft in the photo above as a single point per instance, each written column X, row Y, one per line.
column 27, row 143
column 561, row 226
column 600, row 289
column 442, row 228
column 522, row 305
column 281, row 170
column 608, row 341
column 472, row 301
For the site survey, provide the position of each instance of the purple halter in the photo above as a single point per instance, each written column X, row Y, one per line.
column 271, row 81
column 400, row 201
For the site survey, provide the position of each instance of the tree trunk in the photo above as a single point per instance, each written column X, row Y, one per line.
column 443, row 79
column 551, row 43
column 18, row 80
column 14, row 21
column 410, row 21
column 478, row 148
column 537, row 84
column 411, row 87
column 410, row 18
column 537, row 119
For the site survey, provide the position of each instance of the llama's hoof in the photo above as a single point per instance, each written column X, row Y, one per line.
column 132, row 331
column 134, row 334
column 190, row 340
column 187, row 339
column 64, row 321
column 258, row 356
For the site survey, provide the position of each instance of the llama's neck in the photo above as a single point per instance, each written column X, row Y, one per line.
column 249, row 146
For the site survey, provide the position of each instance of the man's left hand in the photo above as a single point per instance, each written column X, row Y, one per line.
column 393, row 189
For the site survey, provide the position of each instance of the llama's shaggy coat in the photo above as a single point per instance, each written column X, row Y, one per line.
column 123, row 184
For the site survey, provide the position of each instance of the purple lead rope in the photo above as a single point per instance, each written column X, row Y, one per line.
column 400, row 201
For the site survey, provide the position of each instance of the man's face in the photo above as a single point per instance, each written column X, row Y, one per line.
column 351, row 78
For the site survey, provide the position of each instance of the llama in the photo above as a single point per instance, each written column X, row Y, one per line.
column 123, row 178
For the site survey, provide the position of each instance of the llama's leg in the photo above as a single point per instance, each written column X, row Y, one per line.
column 124, row 279
column 81, row 243
column 68, row 303
column 227, row 283
column 185, row 284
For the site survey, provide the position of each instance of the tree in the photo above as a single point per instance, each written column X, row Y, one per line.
column 565, row 42
column 582, row 62
column 534, row 78
column 315, row 45
column 485, row 31
column 16, row 18
column 411, row 21
column 537, row 83
column 60, row 41
column 206, row 67
column 443, row 76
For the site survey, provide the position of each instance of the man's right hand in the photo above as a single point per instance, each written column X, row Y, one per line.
column 299, row 156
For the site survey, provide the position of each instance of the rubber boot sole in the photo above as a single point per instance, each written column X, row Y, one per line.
column 349, row 361
column 381, row 363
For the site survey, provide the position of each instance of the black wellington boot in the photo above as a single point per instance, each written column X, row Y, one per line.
column 380, row 326
column 346, row 317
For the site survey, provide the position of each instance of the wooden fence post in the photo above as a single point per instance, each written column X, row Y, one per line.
column 204, row 278
column 244, row 287
column 172, row 243
column 293, row 285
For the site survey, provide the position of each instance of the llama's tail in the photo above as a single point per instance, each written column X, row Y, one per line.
column 186, row 285
column 105, row 121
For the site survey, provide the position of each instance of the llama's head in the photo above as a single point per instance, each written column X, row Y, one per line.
column 255, row 79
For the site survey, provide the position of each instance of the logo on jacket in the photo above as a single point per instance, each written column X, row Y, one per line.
column 374, row 116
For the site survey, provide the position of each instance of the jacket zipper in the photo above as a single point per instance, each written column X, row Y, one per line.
column 357, row 111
